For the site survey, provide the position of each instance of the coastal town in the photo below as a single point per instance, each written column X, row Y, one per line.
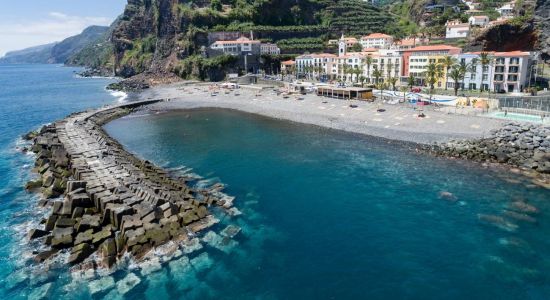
column 312, row 149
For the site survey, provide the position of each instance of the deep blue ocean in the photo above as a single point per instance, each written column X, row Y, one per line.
column 325, row 214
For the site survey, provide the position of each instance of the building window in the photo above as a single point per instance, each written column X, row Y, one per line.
column 485, row 69
column 512, row 77
column 472, row 86
column 473, row 76
column 513, row 69
column 514, row 60
column 485, row 77
column 499, row 77
column 500, row 61
column 499, row 69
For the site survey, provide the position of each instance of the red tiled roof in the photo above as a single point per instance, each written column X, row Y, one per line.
column 288, row 62
column 376, row 36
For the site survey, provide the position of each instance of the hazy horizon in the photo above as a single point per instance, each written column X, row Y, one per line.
column 31, row 23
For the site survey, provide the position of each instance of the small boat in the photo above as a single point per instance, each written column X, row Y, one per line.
column 380, row 110
column 353, row 106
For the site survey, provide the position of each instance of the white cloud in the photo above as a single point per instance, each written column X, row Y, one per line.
column 56, row 26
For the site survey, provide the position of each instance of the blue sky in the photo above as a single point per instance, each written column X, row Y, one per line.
column 25, row 23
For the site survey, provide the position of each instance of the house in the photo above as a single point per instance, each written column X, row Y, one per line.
column 456, row 29
column 481, row 21
column 507, row 10
column 316, row 64
column 376, row 40
column 240, row 46
column 269, row 48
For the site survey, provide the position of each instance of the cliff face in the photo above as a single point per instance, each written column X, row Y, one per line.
column 156, row 37
column 508, row 37
column 542, row 21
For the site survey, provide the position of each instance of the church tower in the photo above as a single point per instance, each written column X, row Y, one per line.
column 342, row 48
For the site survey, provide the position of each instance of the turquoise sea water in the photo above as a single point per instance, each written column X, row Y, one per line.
column 326, row 214
column 332, row 215
column 30, row 96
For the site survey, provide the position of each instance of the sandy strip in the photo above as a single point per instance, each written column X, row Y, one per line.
column 398, row 122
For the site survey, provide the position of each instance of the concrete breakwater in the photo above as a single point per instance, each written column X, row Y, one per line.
column 113, row 203
column 519, row 145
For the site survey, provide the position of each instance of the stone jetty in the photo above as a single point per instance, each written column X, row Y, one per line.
column 113, row 203
column 518, row 145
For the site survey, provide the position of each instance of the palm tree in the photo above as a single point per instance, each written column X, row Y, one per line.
column 362, row 80
column 389, row 67
column 393, row 81
column 410, row 82
column 484, row 59
column 368, row 61
column 463, row 67
column 377, row 74
column 456, row 75
column 448, row 62
column 472, row 67
column 433, row 73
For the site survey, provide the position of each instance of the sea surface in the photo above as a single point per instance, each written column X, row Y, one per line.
column 31, row 96
column 325, row 214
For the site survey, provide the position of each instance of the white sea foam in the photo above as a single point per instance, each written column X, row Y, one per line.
column 120, row 95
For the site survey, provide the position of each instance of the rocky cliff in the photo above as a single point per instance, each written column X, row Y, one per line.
column 542, row 21
column 159, row 38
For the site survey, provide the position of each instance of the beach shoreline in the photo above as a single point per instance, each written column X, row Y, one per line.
column 396, row 122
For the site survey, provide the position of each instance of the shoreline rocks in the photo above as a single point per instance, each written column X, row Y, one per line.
column 113, row 203
column 518, row 145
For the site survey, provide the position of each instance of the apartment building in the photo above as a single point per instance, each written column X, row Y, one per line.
column 377, row 41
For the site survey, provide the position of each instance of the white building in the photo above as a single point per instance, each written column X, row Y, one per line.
column 507, row 10
column 506, row 72
column 238, row 46
column 268, row 48
column 511, row 71
column 478, row 21
column 377, row 41
column 456, row 29
column 477, row 76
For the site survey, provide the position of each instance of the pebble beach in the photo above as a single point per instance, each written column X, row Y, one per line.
column 395, row 122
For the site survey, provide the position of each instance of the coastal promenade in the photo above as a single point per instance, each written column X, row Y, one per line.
column 113, row 202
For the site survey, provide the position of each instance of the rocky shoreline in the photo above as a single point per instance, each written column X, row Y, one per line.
column 524, row 146
column 113, row 203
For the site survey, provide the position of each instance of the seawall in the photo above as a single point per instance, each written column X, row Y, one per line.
column 113, row 202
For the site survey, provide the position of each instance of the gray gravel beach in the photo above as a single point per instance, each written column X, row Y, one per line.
column 397, row 122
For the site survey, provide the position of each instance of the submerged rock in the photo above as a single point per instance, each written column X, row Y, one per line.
column 41, row 292
column 202, row 262
column 151, row 265
column 101, row 285
column 447, row 196
column 498, row 222
column 128, row 283
column 191, row 246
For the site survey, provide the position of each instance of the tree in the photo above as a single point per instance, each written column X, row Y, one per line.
column 377, row 74
column 393, row 81
column 368, row 61
column 463, row 67
column 216, row 5
column 484, row 60
column 456, row 76
column 433, row 73
column 448, row 62
column 410, row 82
column 362, row 80
column 356, row 47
